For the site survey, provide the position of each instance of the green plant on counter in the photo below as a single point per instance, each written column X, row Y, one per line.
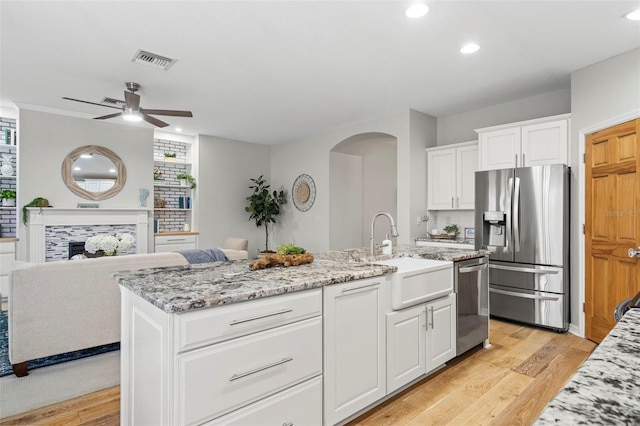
column 36, row 202
column 451, row 229
column 264, row 205
column 7, row 194
column 188, row 178
column 170, row 155
column 290, row 248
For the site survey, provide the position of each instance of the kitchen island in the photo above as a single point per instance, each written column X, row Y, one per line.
column 605, row 389
column 224, row 344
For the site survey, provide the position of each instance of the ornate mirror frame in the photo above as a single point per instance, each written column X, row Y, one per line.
column 67, row 172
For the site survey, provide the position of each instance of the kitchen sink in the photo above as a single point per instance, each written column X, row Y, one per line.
column 418, row 280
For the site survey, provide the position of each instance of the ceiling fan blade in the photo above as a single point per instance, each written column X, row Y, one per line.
column 154, row 120
column 132, row 100
column 104, row 117
column 91, row 103
column 172, row 112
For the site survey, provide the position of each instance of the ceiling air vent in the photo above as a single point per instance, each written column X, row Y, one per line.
column 153, row 60
column 113, row 102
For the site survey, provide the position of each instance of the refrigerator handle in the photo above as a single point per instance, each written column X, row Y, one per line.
column 516, row 215
column 516, row 161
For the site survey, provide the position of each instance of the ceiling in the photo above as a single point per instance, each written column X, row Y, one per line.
column 276, row 71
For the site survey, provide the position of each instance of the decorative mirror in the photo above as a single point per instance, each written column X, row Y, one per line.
column 94, row 172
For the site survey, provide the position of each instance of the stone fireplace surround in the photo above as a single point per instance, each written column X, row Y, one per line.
column 51, row 227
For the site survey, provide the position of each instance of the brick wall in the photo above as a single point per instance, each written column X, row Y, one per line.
column 171, row 220
column 8, row 217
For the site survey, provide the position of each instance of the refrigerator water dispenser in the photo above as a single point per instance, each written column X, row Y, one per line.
column 493, row 229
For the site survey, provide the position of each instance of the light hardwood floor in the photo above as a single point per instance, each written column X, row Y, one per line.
column 508, row 384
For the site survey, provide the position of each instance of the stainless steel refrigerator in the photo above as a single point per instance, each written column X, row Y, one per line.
column 522, row 218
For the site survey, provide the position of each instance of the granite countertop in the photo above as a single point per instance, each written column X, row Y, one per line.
column 606, row 387
column 445, row 240
column 185, row 288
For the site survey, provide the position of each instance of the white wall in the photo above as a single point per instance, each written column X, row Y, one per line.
column 44, row 141
column 224, row 169
column 460, row 127
column 414, row 131
column 345, row 189
column 379, row 171
column 602, row 95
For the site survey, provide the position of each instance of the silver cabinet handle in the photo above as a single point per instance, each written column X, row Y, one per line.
column 467, row 269
column 176, row 239
column 522, row 295
column 431, row 322
column 452, row 206
column 529, row 270
column 257, row 370
column 457, row 202
column 287, row 424
column 523, row 159
column 344, row 290
column 634, row 252
column 283, row 311
column 516, row 160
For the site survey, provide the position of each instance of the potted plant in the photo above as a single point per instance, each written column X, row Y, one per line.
column 186, row 180
column 264, row 206
column 169, row 156
column 8, row 197
column 451, row 229
column 36, row 202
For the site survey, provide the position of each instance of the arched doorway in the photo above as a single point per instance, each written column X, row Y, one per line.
column 363, row 180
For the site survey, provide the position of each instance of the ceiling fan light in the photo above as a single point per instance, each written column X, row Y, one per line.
column 633, row 16
column 417, row 10
column 130, row 115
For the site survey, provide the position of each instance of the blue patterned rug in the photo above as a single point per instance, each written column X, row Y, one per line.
column 5, row 365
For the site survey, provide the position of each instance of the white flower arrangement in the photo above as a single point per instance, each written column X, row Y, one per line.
column 109, row 244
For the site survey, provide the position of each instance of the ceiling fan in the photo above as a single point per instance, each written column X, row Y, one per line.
column 132, row 111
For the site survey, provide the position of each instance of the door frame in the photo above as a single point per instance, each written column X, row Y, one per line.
column 582, row 142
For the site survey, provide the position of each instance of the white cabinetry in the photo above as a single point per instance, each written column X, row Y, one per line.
column 523, row 144
column 441, row 331
column 406, row 346
column 7, row 259
column 245, row 361
column 419, row 340
column 354, row 346
column 450, row 176
column 175, row 241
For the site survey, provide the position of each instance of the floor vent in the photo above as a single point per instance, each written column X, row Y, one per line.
column 113, row 102
column 153, row 60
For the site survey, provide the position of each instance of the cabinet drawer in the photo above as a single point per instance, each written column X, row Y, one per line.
column 6, row 263
column 200, row 328
column 163, row 248
column 175, row 239
column 8, row 247
column 218, row 379
column 299, row 405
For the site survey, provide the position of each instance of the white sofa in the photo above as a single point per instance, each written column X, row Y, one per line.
column 65, row 306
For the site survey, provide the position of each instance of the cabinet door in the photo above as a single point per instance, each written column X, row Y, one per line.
column 466, row 167
column 499, row 149
column 354, row 347
column 545, row 143
column 406, row 345
column 441, row 331
column 441, row 179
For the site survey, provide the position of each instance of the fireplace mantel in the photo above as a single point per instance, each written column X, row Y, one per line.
column 40, row 218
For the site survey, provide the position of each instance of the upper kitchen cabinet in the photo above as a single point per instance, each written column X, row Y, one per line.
column 450, row 176
column 526, row 143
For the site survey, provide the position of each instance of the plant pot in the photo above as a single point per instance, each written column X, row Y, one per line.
column 183, row 182
column 8, row 202
column 170, row 159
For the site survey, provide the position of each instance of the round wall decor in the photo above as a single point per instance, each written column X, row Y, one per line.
column 303, row 192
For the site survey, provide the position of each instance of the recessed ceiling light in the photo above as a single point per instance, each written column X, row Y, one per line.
column 633, row 16
column 469, row 48
column 178, row 129
column 77, row 169
column 417, row 10
column 112, row 170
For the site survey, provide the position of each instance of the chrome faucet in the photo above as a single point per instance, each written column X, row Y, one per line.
column 372, row 241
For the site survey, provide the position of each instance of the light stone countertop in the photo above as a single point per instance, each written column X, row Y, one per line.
column 185, row 288
column 606, row 388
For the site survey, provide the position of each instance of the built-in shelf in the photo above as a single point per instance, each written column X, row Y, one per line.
column 163, row 185
column 164, row 163
column 7, row 208
column 172, row 210
column 7, row 177
column 10, row 147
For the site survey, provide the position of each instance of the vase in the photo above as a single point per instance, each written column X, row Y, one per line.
column 8, row 202
column 6, row 169
column 143, row 193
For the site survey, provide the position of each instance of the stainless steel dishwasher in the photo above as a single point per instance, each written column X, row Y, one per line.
column 471, row 284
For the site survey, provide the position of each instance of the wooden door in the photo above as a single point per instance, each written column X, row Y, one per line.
column 612, row 196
